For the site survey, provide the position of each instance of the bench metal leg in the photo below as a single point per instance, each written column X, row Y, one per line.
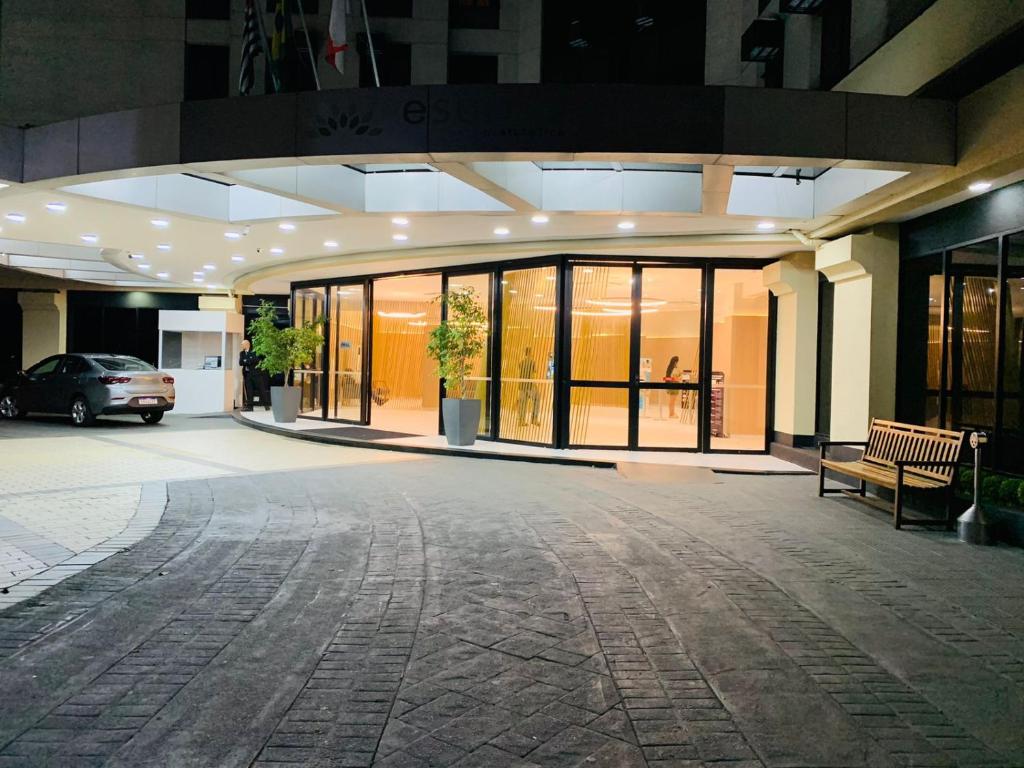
column 897, row 507
column 863, row 490
column 821, row 480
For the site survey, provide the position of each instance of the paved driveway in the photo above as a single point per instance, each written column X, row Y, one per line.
column 475, row 613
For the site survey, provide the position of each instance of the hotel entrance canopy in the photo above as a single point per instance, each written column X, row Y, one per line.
column 697, row 171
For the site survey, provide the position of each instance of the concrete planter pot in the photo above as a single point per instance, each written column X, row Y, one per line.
column 284, row 402
column 461, row 420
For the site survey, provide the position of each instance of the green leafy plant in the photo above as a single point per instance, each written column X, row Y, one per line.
column 1009, row 490
column 990, row 486
column 282, row 349
column 458, row 340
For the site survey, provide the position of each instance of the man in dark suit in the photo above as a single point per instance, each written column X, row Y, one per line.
column 253, row 380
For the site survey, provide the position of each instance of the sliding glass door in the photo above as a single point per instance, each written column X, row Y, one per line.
column 346, row 337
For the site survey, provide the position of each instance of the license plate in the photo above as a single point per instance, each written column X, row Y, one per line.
column 148, row 401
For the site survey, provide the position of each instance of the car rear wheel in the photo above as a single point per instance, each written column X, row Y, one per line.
column 152, row 417
column 81, row 413
column 10, row 409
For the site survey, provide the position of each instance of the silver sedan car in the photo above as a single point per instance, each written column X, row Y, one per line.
column 87, row 385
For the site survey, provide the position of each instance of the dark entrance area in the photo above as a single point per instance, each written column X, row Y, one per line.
column 10, row 338
column 123, row 323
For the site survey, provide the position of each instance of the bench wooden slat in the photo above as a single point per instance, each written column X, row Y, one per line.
column 888, row 444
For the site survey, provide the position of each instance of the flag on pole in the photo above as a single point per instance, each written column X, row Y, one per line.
column 282, row 45
column 337, row 41
column 250, row 50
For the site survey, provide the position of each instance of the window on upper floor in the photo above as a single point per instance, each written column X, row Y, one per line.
column 464, row 68
column 633, row 41
column 400, row 9
column 208, row 9
column 308, row 6
column 206, row 71
column 474, row 14
column 394, row 61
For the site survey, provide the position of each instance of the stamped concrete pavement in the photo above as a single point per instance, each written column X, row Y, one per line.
column 476, row 613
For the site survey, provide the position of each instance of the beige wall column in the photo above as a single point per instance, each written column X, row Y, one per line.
column 865, row 271
column 794, row 281
column 44, row 324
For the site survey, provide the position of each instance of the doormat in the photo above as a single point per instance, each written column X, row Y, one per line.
column 361, row 433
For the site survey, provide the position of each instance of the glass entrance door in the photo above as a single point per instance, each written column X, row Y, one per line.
column 346, row 334
column 635, row 357
column 667, row 357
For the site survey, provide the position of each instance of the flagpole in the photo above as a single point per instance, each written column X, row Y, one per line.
column 268, row 62
column 369, row 42
column 309, row 45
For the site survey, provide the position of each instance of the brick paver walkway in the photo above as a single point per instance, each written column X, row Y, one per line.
column 476, row 613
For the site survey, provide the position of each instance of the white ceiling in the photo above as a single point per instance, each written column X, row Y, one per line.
column 223, row 230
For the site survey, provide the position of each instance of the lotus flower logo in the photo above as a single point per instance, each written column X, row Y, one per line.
column 340, row 122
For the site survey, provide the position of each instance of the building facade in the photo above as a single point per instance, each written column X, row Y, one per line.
column 801, row 221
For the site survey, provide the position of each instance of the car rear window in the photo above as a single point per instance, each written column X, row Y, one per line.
column 123, row 364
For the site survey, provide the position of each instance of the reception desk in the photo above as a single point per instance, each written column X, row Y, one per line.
column 200, row 350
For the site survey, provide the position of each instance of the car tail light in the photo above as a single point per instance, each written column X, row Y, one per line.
column 168, row 379
column 115, row 379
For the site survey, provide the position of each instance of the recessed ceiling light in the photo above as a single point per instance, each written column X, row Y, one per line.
column 330, row 243
column 143, row 266
column 57, row 207
column 236, row 257
column 90, row 238
column 501, row 231
column 18, row 217
column 763, row 225
column 160, row 223
column 980, row 186
column 540, row 218
column 400, row 221
column 163, row 275
column 627, row 225
column 209, row 266
column 164, row 247
column 232, row 235
column 136, row 256
column 399, row 237
column 197, row 273
column 286, row 226
column 197, row 279
column 277, row 251
column 211, row 285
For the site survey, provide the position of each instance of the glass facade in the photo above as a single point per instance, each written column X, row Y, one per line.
column 962, row 316
column 658, row 356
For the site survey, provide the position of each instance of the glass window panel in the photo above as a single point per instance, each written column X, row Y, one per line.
column 668, row 418
column 478, row 385
column 739, row 361
column 601, row 309
column 528, row 317
column 599, row 416
column 984, row 254
column 978, row 335
column 935, row 291
column 308, row 306
column 404, row 391
column 345, row 385
column 1013, row 338
column 670, row 325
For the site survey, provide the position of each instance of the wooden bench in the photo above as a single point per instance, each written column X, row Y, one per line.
column 899, row 456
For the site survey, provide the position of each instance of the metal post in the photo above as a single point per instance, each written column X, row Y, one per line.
column 972, row 526
column 309, row 45
column 369, row 44
column 268, row 60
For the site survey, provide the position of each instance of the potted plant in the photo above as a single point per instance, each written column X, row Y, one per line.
column 455, row 344
column 280, row 351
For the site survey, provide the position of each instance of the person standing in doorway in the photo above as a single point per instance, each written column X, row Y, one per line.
column 672, row 376
column 253, row 380
column 529, row 396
